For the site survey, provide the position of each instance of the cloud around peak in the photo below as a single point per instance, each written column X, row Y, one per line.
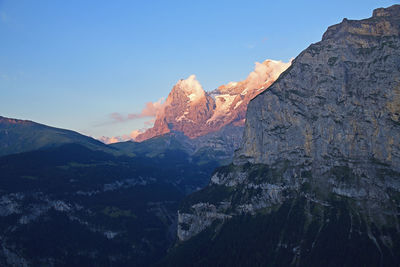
column 150, row 110
column 266, row 71
column 126, row 137
column 192, row 87
column 261, row 77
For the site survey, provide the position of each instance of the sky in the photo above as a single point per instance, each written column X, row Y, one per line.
column 72, row 64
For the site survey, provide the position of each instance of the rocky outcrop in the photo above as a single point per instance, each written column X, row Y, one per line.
column 194, row 112
column 205, row 214
column 325, row 134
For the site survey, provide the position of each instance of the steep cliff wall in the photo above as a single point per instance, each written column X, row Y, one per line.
column 322, row 143
column 339, row 100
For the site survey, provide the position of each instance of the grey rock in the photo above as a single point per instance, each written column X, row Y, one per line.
column 203, row 216
column 339, row 100
column 329, row 126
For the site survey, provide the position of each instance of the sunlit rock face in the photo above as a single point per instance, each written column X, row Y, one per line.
column 232, row 99
column 191, row 110
column 326, row 137
column 339, row 100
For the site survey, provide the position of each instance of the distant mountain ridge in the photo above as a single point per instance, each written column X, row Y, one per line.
column 69, row 200
column 18, row 136
column 213, row 147
column 203, row 123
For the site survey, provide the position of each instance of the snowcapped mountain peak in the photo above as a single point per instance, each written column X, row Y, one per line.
column 192, row 88
column 191, row 110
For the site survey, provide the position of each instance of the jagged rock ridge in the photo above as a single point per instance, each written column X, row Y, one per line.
column 191, row 110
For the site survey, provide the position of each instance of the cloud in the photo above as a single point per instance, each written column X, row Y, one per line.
column 150, row 110
column 149, row 123
column 117, row 117
column 110, row 140
column 264, row 72
column 192, row 87
column 135, row 133
column 123, row 138
column 127, row 137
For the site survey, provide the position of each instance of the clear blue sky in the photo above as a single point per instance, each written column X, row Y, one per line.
column 71, row 63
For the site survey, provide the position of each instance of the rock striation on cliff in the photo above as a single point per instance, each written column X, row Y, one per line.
column 340, row 99
column 320, row 155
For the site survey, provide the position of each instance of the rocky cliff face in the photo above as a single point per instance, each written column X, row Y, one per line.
column 325, row 134
column 340, row 99
column 186, row 110
column 191, row 110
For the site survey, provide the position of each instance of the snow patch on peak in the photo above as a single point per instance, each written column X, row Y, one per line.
column 192, row 88
column 223, row 105
column 238, row 104
column 245, row 91
column 192, row 97
column 232, row 84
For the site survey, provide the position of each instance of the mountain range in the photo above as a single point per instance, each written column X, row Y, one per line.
column 201, row 122
column 70, row 200
column 315, row 180
column 116, row 204
column 194, row 112
column 54, row 178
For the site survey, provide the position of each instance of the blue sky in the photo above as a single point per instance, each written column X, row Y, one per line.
column 70, row 64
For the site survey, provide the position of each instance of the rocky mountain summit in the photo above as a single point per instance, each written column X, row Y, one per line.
column 194, row 112
column 319, row 167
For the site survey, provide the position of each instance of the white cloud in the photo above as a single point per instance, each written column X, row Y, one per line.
column 150, row 110
column 269, row 70
column 192, row 88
